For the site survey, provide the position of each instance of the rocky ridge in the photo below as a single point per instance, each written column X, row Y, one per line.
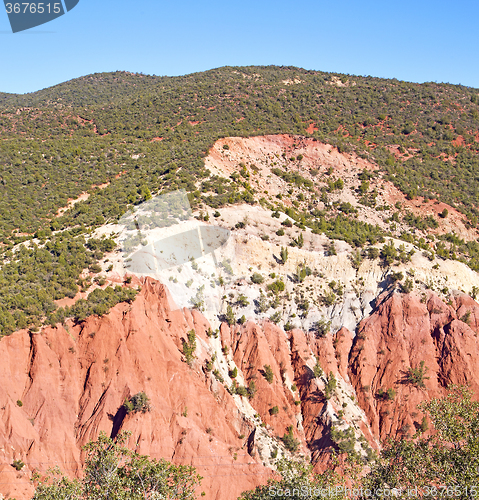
column 64, row 385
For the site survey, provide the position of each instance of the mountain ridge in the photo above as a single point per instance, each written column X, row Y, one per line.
column 197, row 75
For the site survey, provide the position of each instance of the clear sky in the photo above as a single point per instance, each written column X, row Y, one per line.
column 420, row 40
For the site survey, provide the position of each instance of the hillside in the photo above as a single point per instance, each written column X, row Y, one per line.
column 422, row 136
column 111, row 140
column 344, row 295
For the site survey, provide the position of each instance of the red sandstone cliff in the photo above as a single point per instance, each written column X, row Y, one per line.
column 403, row 332
column 71, row 382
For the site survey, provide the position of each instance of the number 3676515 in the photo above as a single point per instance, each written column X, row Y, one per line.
column 33, row 8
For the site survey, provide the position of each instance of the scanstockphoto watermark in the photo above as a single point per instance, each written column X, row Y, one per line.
column 161, row 239
column 26, row 15
column 452, row 491
column 329, row 492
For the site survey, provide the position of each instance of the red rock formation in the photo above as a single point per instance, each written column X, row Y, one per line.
column 402, row 333
column 61, row 387
column 253, row 348
column 72, row 383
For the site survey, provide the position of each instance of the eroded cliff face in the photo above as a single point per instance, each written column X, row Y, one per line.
column 403, row 332
column 62, row 386
column 73, row 381
column 264, row 153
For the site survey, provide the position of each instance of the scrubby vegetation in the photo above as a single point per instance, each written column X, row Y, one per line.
column 268, row 373
column 330, row 386
column 189, row 347
column 417, row 376
column 113, row 471
column 289, row 441
column 34, row 276
column 139, row 402
column 100, row 135
column 386, row 395
column 446, row 461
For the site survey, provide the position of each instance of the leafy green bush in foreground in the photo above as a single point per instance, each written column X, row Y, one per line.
column 114, row 472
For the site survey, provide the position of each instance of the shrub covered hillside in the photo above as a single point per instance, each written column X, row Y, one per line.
column 124, row 137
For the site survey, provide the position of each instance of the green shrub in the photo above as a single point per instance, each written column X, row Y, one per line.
column 283, row 255
column 18, row 465
column 396, row 276
column 328, row 298
column 289, row 441
column 423, row 427
column 389, row 253
column 302, row 272
column 417, row 376
column 276, row 317
column 276, row 286
column 345, row 440
column 372, row 253
column 241, row 390
column 218, row 376
column 226, row 264
column 330, row 386
column 242, row 301
column 407, row 286
column 331, row 249
column 298, row 242
column 386, row 395
column 268, row 373
column 466, row 318
column 356, row 258
column 189, row 347
column 251, row 389
column 321, row 328
column 257, row 278
column 262, row 303
column 95, row 268
column 317, row 370
column 230, row 316
column 140, row 402
column 198, row 301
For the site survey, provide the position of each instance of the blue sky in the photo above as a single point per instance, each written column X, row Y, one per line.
column 421, row 40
